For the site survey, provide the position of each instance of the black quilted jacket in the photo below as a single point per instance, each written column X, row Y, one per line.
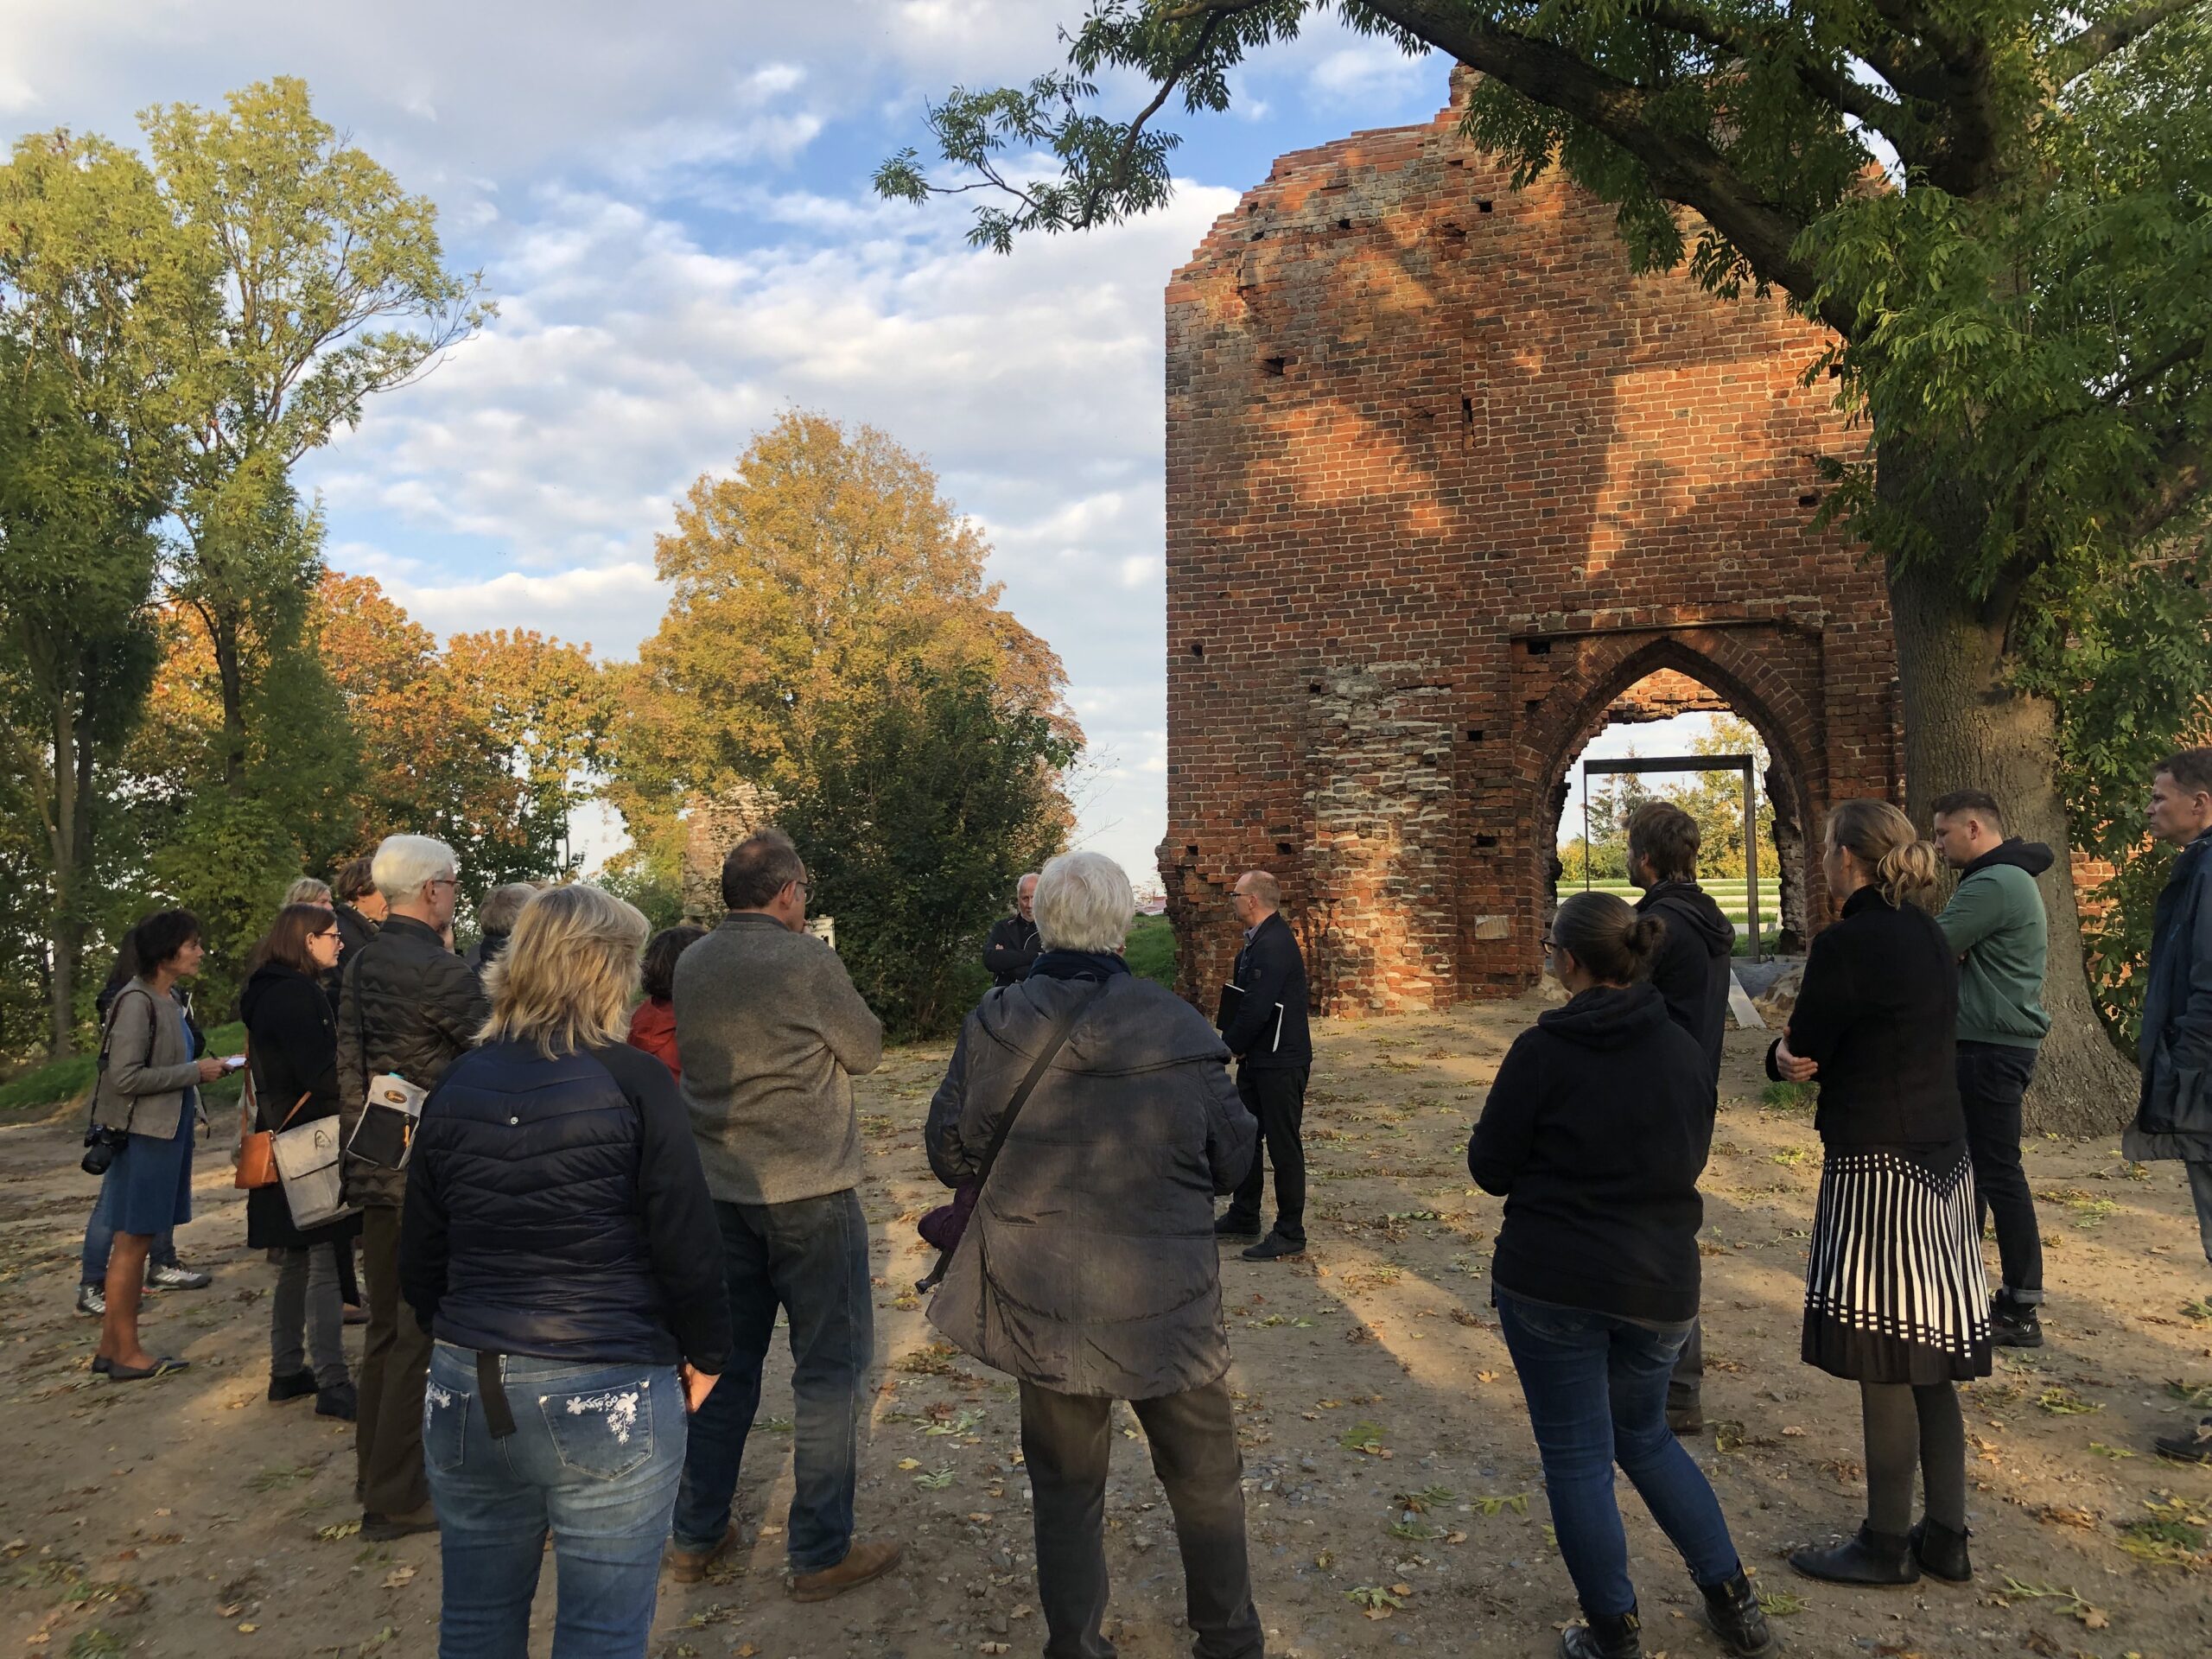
column 409, row 1006
column 556, row 1208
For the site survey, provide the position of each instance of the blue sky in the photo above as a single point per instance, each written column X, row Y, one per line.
column 670, row 203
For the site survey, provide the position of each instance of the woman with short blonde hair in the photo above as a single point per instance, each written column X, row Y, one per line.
column 1895, row 1298
column 559, row 1246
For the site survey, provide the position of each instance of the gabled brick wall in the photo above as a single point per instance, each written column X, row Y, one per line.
column 1445, row 482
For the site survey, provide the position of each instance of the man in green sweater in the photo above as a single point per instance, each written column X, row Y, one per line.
column 1995, row 922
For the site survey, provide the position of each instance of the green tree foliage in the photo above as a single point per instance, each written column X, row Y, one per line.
column 802, row 580
column 915, row 819
column 2004, row 213
column 97, row 293
column 333, row 288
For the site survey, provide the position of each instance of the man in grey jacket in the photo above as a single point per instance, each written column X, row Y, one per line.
column 772, row 1034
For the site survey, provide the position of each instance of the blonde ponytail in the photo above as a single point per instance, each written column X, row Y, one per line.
column 1907, row 870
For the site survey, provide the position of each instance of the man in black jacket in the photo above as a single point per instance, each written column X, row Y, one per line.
column 1011, row 950
column 1266, row 1031
column 1691, row 975
column 409, row 1007
column 2173, row 1116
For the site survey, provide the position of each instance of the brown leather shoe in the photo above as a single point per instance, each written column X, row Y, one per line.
column 862, row 1562
column 690, row 1566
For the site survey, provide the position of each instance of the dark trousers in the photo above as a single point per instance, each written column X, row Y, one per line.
column 1275, row 1095
column 395, row 1360
column 1686, row 1388
column 1065, row 1439
column 809, row 1258
column 1992, row 1079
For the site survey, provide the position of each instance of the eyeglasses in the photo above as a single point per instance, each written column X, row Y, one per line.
column 1548, row 943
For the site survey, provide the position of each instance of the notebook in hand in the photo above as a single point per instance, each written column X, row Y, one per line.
column 1232, row 998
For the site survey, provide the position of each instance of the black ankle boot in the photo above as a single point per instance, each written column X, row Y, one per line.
column 1733, row 1613
column 1869, row 1558
column 1618, row 1638
column 1941, row 1552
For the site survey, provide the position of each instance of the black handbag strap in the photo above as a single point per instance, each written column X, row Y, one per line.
column 1038, row 1067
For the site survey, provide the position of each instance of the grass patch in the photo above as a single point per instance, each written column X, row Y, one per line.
column 60, row 1082
column 1151, row 951
column 1790, row 1096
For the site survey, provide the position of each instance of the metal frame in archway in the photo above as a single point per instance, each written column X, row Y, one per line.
column 1743, row 763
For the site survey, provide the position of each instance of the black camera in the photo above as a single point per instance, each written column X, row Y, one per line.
column 101, row 1144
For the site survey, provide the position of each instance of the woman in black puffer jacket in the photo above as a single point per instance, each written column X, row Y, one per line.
column 559, row 1245
column 292, row 1046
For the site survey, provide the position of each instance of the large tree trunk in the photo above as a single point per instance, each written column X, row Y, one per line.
column 1965, row 728
column 66, row 827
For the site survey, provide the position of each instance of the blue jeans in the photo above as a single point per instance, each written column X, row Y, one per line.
column 595, row 1455
column 809, row 1257
column 99, row 1237
column 1596, row 1392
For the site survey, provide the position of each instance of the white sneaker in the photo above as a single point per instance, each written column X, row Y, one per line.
column 91, row 1300
column 177, row 1276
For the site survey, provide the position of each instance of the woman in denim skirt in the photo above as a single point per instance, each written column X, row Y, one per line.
column 559, row 1245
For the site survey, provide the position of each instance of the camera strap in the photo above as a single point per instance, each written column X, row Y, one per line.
column 107, row 1041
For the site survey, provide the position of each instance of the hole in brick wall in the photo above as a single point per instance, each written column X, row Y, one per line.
column 1344, row 224
column 1191, row 850
column 1274, row 364
column 1313, row 686
column 1453, row 232
column 1485, row 840
column 1285, row 848
column 1532, row 705
column 1539, row 647
column 1482, row 206
column 1259, row 236
column 1198, row 648
column 1474, row 733
column 1810, row 498
column 1467, row 410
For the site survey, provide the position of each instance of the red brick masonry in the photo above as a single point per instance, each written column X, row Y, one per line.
column 1445, row 480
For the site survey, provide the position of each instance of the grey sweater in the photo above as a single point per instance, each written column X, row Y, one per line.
column 772, row 1034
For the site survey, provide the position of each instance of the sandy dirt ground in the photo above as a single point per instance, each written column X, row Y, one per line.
column 1394, row 1498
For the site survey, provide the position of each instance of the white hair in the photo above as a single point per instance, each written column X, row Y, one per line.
column 1027, row 875
column 1083, row 903
column 405, row 865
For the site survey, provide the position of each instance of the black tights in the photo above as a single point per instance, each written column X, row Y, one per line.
column 1908, row 1423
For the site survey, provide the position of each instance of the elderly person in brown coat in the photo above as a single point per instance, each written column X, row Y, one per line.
column 1089, row 1270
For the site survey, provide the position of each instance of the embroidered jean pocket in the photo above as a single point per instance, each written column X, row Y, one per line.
column 445, row 1427
column 605, row 1433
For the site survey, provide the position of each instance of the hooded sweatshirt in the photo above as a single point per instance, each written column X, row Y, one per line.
column 1594, row 1134
column 1692, row 968
column 1995, row 922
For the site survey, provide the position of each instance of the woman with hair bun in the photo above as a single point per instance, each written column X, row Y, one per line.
column 1894, row 1299
column 1594, row 1134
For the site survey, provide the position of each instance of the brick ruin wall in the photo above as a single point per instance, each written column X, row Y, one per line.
column 1447, row 487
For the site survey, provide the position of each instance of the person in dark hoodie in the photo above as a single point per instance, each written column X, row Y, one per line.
column 1595, row 1133
column 1995, row 921
column 1691, row 974
column 292, row 1047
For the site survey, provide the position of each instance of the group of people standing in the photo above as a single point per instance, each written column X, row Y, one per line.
column 575, row 1274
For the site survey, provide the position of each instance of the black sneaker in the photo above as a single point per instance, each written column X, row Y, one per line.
column 1233, row 1225
column 296, row 1385
column 1274, row 1248
column 91, row 1300
column 1604, row 1638
column 2013, row 1325
column 2196, row 1446
column 175, row 1275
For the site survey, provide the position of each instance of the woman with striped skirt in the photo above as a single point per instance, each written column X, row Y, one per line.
column 1895, row 1300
